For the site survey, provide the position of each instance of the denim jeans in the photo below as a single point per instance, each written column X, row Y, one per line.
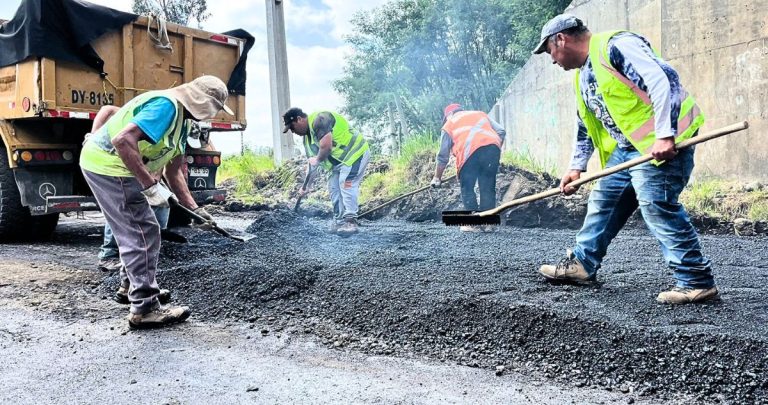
column 109, row 246
column 655, row 190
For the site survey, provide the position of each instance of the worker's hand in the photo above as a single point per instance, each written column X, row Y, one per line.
column 436, row 182
column 569, row 177
column 208, row 223
column 157, row 195
column 664, row 149
column 203, row 213
column 304, row 191
column 313, row 161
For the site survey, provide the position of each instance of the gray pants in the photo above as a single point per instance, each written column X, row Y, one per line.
column 137, row 233
column 344, row 187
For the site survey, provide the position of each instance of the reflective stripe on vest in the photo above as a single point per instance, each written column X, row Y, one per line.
column 469, row 131
column 348, row 147
column 99, row 155
column 629, row 106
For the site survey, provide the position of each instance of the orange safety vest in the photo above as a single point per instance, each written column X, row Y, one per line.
column 469, row 131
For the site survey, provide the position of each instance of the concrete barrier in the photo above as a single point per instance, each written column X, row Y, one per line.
column 720, row 49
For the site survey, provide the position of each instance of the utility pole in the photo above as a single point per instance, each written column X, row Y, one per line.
column 279, row 87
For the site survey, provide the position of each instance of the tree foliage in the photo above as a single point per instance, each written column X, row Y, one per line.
column 424, row 54
column 181, row 12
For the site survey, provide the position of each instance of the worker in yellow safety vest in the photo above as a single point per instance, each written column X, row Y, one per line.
column 630, row 102
column 122, row 162
column 329, row 141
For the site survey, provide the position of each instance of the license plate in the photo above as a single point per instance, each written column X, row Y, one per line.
column 198, row 172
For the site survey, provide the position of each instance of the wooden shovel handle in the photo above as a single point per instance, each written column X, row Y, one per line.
column 614, row 169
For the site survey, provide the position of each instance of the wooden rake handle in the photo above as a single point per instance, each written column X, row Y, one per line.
column 398, row 198
column 614, row 169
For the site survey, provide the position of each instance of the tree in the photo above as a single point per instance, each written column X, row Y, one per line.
column 423, row 54
column 181, row 12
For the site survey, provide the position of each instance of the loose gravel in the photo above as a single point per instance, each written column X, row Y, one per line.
column 408, row 289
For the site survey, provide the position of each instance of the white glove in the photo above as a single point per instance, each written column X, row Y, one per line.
column 435, row 183
column 203, row 213
column 157, row 195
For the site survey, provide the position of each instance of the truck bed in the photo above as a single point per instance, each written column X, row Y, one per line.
column 42, row 87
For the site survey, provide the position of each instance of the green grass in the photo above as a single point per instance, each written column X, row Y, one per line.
column 246, row 170
column 525, row 160
column 703, row 197
column 406, row 172
column 726, row 200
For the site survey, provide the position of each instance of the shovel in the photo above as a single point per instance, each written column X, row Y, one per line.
column 493, row 217
column 215, row 227
column 307, row 178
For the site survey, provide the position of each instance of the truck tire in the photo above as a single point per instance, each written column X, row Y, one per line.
column 16, row 223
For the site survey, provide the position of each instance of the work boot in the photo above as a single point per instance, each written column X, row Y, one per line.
column 471, row 228
column 568, row 270
column 121, row 296
column 679, row 295
column 110, row 264
column 333, row 226
column 158, row 317
column 348, row 228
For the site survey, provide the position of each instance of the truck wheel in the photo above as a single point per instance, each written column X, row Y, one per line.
column 16, row 223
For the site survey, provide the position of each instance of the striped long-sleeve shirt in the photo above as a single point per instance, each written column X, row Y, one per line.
column 631, row 55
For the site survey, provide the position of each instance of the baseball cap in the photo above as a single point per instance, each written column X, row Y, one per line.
column 557, row 24
column 291, row 115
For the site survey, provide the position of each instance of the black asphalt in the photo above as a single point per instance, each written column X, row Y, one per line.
column 422, row 289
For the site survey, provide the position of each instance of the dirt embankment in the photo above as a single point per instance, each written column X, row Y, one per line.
column 277, row 190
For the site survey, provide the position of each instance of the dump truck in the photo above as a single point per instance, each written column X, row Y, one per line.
column 50, row 94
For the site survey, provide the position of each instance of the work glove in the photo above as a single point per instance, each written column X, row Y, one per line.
column 435, row 183
column 209, row 223
column 157, row 195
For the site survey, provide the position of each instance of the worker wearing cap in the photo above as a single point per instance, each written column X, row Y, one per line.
column 123, row 162
column 330, row 141
column 630, row 102
column 475, row 141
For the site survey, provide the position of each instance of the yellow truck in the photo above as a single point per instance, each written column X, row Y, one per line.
column 49, row 98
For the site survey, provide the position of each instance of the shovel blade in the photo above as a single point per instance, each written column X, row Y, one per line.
column 458, row 218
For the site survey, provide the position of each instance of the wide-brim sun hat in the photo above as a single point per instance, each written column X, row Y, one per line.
column 203, row 97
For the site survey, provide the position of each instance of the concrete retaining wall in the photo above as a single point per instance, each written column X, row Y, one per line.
column 720, row 49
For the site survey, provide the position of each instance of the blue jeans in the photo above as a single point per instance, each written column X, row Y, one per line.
column 655, row 190
column 109, row 246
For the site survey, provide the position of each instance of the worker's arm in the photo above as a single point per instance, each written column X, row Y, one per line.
column 104, row 114
column 632, row 56
column 582, row 151
column 443, row 156
column 325, row 143
column 498, row 129
column 323, row 129
column 174, row 174
column 126, row 145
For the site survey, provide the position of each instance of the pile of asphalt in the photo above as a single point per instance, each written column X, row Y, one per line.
column 407, row 289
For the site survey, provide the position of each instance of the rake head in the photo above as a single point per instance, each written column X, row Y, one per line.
column 458, row 218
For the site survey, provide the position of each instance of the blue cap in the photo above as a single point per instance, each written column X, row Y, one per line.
column 557, row 24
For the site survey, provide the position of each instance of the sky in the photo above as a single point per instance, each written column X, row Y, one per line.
column 314, row 29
